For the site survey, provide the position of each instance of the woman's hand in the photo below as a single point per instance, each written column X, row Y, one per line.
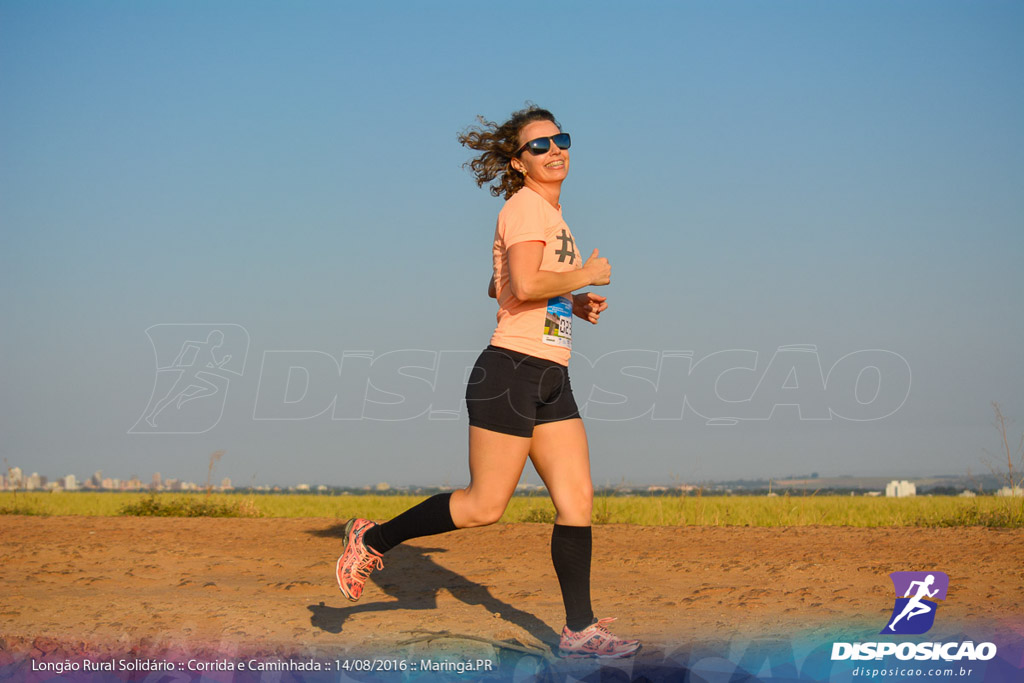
column 588, row 306
column 598, row 268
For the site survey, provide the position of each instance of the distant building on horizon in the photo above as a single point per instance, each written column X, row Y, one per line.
column 900, row 489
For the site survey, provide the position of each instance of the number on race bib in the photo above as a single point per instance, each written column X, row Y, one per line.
column 558, row 323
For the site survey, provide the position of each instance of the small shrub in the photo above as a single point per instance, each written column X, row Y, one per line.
column 602, row 511
column 539, row 515
column 22, row 509
column 152, row 506
column 1000, row 517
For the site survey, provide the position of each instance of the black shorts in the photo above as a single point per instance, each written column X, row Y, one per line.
column 511, row 392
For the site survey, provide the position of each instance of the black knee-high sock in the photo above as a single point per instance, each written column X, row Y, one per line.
column 430, row 517
column 571, row 547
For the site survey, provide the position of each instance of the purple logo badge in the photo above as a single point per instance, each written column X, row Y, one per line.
column 916, row 593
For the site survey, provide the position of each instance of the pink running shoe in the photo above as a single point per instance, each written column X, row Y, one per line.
column 357, row 560
column 596, row 641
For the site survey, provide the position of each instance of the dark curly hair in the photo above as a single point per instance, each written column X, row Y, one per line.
column 499, row 144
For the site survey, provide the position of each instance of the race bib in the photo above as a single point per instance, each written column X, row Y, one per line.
column 558, row 322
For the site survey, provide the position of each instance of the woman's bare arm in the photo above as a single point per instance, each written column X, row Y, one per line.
column 530, row 283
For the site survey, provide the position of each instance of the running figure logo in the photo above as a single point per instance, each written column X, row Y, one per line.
column 194, row 365
column 913, row 612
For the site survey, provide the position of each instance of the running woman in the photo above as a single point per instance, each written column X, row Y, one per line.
column 519, row 399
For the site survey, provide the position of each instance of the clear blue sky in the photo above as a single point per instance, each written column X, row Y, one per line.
column 847, row 176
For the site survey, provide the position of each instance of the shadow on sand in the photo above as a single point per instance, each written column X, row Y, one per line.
column 413, row 579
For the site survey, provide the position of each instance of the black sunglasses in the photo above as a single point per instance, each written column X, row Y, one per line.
column 542, row 145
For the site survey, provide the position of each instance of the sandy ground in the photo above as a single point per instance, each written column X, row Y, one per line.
column 145, row 585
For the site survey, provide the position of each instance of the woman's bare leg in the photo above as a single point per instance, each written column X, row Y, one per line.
column 496, row 462
column 560, row 452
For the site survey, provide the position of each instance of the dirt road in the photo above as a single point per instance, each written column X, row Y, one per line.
column 147, row 585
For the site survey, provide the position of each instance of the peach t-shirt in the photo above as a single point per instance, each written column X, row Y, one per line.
column 538, row 328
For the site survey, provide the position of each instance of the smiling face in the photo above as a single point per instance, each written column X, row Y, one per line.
column 550, row 167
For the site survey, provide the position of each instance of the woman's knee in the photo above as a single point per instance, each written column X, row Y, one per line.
column 577, row 505
column 585, row 506
column 471, row 511
column 484, row 515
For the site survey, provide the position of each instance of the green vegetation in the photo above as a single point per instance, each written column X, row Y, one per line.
column 189, row 506
column 784, row 511
column 757, row 511
column 19, row 507
column 1008, row 514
